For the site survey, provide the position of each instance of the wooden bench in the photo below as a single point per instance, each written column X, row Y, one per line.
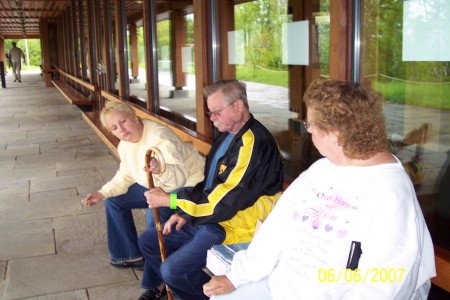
column 442, row 259
column 70, row 93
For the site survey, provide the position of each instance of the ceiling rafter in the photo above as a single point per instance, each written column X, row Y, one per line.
column 18, row 18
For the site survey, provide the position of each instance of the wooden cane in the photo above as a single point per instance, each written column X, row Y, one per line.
column 162, row 247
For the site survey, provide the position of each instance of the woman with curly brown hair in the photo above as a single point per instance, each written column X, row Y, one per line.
column 349, row 227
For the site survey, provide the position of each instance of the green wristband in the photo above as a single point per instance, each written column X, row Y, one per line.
column 173, row 201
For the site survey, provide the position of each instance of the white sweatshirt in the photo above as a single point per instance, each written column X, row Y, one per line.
column 184, row 164
column 304, row 244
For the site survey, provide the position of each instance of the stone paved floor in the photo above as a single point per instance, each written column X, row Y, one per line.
column 51, row 247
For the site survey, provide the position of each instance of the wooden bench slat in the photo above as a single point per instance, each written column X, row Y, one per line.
column 71, row 94
column 442, row 278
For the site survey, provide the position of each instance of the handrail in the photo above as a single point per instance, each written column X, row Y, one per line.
column 87, row 85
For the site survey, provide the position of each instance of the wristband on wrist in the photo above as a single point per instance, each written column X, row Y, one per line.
column 173, row 201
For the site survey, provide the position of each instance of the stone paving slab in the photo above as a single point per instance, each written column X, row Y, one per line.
column 72, row 295
column 8, row 136
column 14, row 189
column 26, row 239
column 124, row 291
column 74, row 234
column 63, row 273
column 49, row 184
column 71, row 134
column 33, row 137
column 6, row 124
column 101, row 162
column 7, row 162
column 27, row 174
column 2, row 277
column 37, row 161
column 87, row 171
column 93, row 153
column 25, row 150
column 68, row 145
column 80, row 232
column 49, row 207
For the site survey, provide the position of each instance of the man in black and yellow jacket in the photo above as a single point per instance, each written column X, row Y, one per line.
column 243, row 179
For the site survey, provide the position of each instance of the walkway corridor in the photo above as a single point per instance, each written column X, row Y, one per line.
column 50, row 246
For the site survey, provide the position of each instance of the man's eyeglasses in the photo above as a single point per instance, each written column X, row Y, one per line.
column 306, row 124
column 217, row 112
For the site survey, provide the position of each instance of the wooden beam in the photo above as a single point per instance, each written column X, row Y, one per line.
column 203, row 74
column 150, row 56
column 225, row 15
column 134, row 50
column 121, row 49
column 45, row 50
column 178, row 33
column 340, row 32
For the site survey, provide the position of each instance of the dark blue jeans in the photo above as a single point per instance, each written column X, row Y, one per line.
column 122, row 235
column 186, row 256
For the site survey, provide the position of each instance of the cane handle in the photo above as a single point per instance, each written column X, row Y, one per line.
column 160, row 157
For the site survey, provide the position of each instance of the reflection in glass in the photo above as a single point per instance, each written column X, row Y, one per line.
column 176, row 68
column 262, row 38
column 137, row 65
column 417, row 106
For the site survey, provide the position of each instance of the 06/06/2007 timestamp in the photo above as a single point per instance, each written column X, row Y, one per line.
column 374, row 275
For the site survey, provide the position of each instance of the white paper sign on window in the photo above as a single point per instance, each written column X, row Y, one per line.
column 186, row 58
column 295, row 43
column 236, row 51
column 426, row 36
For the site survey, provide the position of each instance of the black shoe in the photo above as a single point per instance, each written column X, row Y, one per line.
column 20, row 80
column 15, row 80
column 122, row 264
column 153, row 294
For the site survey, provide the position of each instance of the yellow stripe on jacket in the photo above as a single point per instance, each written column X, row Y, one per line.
column 241, row 228
column 235, row 176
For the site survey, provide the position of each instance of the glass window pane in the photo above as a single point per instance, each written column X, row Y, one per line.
column 176, row 68
column 265, row 48
column 417, row 100
column 136, row 54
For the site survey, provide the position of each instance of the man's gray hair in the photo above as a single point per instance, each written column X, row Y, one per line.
column 231, row 89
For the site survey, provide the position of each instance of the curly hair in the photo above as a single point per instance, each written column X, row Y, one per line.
column 231, row 89
column 352, row 110
column 113, row 106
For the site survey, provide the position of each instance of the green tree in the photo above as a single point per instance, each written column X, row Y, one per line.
column 33, row 53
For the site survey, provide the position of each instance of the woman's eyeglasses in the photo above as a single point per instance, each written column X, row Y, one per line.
column 217, row 112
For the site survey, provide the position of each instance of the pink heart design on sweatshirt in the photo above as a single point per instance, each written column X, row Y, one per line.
column 315, row 224
column 342, row 233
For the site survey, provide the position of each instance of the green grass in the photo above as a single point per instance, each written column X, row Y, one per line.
column 256, row 74
column 418, row 94
column 31, row 67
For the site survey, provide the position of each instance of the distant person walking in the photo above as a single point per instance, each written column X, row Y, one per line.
column 15, row 56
